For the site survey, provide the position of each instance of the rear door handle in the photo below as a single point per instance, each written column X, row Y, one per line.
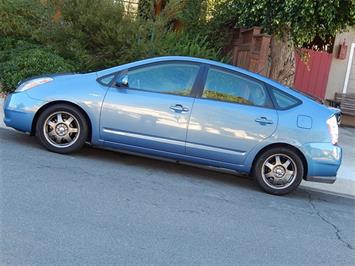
column 263, row 120
column 179, row 108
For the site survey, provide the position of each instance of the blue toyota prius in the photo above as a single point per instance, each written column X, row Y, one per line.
column 187, row 110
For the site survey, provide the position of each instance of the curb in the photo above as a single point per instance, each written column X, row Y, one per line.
column 327, row 192
column 342, row 186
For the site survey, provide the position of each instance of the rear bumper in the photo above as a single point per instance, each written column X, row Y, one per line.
column 323, row 161
column 19, row 111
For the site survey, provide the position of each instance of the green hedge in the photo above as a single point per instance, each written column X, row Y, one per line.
column 20, row 60
column 87, row 35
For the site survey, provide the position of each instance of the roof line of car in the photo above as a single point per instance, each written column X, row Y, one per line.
column 190, row 59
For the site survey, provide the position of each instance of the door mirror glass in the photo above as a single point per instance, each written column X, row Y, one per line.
column 122, row 81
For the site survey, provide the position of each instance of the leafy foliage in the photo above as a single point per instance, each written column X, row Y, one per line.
column 301, row 20
column 20, row 59
column 225, row 97
column 21, row 18
column 84, row 35
column 94, row 34
column 146, row 9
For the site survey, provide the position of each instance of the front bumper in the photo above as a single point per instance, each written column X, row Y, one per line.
column 19, row 111
column 323, row 160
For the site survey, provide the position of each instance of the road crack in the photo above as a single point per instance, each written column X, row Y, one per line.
column 324, row 219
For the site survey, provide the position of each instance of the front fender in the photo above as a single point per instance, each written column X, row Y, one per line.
column 80, row 90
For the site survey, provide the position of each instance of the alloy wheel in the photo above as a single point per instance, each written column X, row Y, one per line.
column 279, row 171
column 61, row 129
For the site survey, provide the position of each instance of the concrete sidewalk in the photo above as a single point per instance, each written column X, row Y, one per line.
column 345, row 183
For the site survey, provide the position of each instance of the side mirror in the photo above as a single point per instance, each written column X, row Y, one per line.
column 122, row 81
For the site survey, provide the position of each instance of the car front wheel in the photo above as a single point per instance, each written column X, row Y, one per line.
column 62, row 128
column 279, row 171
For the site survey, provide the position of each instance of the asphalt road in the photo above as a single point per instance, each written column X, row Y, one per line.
column 102, row 207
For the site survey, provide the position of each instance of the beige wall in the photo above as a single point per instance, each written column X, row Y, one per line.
column 338, row 67
column 350, row 88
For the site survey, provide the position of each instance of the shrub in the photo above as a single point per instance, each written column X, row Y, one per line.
column 92, row 35
column 21, row 18
column 22, row 60
column 157, row 43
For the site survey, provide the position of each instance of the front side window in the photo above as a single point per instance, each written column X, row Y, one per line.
column 174, row 78
column 226, row 86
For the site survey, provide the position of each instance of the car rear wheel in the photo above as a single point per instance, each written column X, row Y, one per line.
column 279, row 171
column 62, row 128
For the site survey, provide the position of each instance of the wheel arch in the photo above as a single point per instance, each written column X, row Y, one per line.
column 44, row 107
column 283, row 145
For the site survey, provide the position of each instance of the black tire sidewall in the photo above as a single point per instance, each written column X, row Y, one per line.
column 258, row 168
column 79, row 143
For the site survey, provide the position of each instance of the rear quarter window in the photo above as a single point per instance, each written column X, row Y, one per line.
column 106, row 80
column 284, row 100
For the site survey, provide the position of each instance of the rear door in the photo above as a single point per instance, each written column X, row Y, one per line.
column 152, row 107
column 233, row 114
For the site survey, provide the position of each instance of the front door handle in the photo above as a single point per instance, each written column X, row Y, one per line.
column 263, row 120
column 179, row 108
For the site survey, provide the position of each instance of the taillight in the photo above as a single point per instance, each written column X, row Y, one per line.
column 333, row 129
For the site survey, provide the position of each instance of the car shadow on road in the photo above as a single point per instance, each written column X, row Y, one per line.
column 112, row 157
column 199, row 174
column 194, row 173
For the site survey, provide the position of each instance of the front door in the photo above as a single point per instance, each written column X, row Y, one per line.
column 231, row 117
column 150, row 107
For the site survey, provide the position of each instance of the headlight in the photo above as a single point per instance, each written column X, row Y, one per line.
column 33, row 83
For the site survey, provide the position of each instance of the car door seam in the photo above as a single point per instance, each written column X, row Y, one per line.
column 102, row 106
column 188, row 124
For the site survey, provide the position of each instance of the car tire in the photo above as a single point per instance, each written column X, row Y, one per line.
column 279, row 171
column 62, row 128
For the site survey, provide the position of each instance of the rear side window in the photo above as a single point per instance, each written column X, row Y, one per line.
column 231, row 87
column 284, row 100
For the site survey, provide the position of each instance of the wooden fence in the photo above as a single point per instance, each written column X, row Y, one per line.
column 312, row 76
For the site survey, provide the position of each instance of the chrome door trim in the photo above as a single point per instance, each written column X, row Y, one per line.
column 145, row 137
column 214, row 149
